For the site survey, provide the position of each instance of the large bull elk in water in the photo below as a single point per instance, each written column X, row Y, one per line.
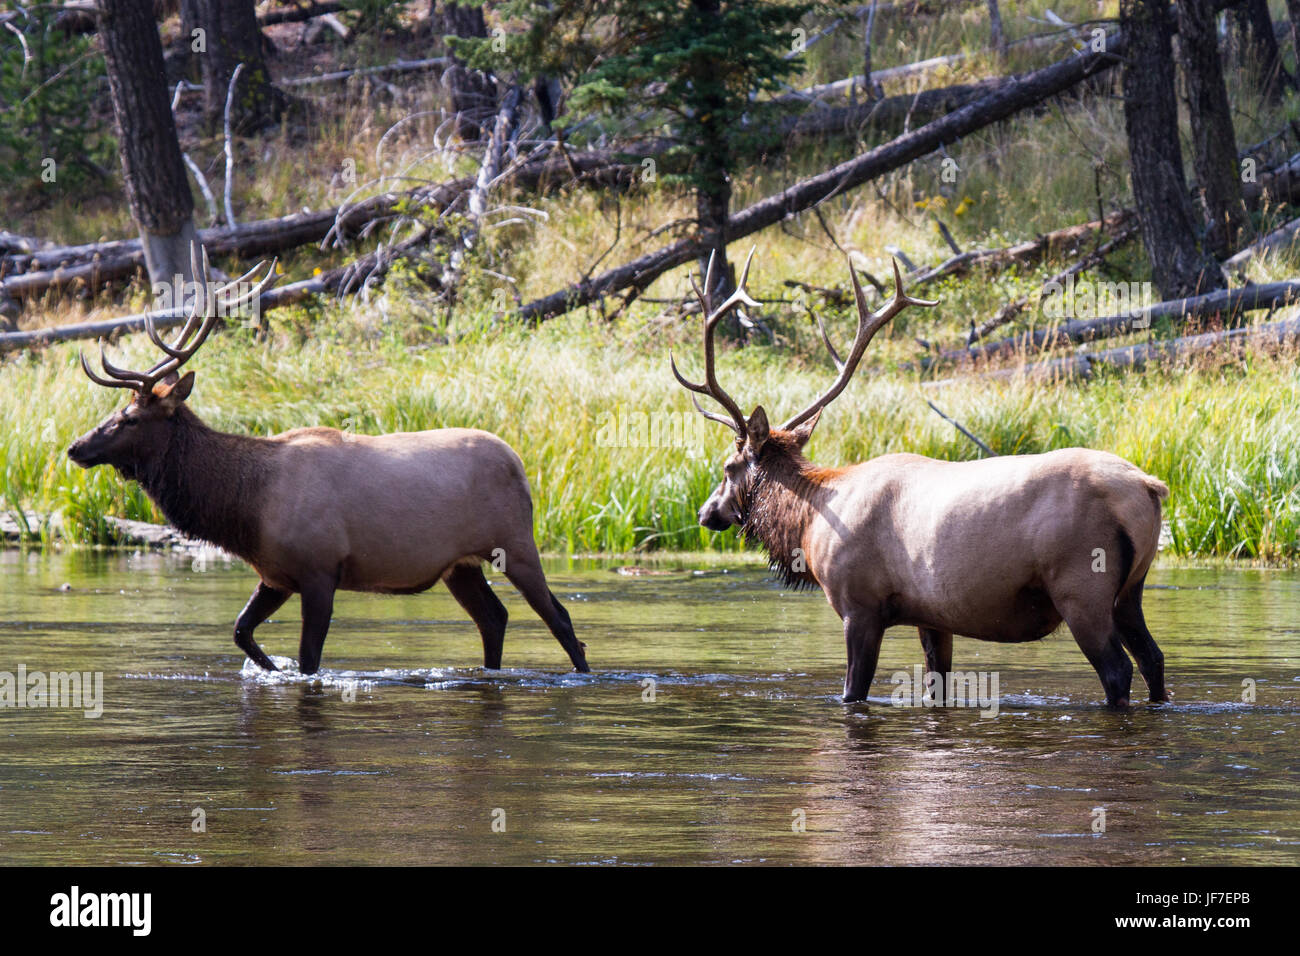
column 315, row 510
column 1001, row 549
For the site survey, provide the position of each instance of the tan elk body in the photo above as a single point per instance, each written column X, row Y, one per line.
column 1003, row 549
column 315, row 510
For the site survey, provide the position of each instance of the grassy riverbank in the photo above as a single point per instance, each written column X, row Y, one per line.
column 618, row 459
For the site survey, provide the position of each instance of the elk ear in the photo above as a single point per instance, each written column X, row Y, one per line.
column 756, row 430
column 172, row 393
column 803, row 432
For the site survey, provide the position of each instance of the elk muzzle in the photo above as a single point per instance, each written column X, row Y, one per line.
column 719, row 512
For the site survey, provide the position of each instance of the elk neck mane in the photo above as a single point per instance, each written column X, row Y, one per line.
column 782, row 495
column 209, row 484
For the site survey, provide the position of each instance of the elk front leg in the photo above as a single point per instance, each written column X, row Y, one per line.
column 265, row 601
column 317, row 606
column 862, row 635
column 938, row 658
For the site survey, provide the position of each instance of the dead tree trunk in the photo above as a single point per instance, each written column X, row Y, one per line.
column 471, row 95
column 1178, row 265
column 1293, row 14
column 1214, row 142
column 231, row 36
column 872, row 89
column 995, row 28
column 152, row 168
column 712, row 174
column 1255, row 33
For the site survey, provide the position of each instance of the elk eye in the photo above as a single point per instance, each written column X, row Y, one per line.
column 130, row 421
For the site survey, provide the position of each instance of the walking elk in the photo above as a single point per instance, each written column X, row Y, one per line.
column 1001, row 549
column 314, row 510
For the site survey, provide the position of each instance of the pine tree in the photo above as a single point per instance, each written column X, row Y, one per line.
column 701, row 67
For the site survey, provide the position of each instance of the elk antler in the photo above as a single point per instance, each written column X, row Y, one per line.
column 711, row 318
column 202, row 319
column 869, row 323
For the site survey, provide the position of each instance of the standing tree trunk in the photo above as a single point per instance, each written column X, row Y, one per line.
column 1179, row 267
column 471, row 95
column 152, row 167
column 1255, row 33
column 231, row 36
column 871, row 89
column 1293, row 14
column 712, row 173
column 995, row 28
column 1213, row 139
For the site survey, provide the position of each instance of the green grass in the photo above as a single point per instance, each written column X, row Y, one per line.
column 1224, row 436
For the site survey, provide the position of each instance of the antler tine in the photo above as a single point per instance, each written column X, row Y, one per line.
column 252, row 294
column 99, row 379
column 740, row 295
column 121, row 373
column 835, row 356
column 708, row 279
column 712, row 416
column 702, row 389
column 198, row 309
column 869, row 323
column 205, row 304
column 711, row 318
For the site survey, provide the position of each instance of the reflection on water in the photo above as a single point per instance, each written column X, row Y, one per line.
column 709, row 730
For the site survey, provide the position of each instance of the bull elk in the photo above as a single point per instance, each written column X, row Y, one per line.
column 1002, row 549
column 315, row 510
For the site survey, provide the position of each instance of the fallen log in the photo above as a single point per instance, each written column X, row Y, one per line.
column 93, row 265
column 397, row 66
column 1082, row 365
column 1012, row 309
column 345, row 279
column 1231, row 303
column 1009, row 98
column 1027, row 253
column 299, row 14
column 1281, row 238
column 888, row 112
column 839, row 88
column 12, row 243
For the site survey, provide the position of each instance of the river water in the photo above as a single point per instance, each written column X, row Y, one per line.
column 710, row 730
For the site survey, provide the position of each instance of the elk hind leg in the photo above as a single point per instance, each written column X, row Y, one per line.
column 1098, row 636
column 938, row 658
column 472, row 592
column 524, row 569
column 1137, row 638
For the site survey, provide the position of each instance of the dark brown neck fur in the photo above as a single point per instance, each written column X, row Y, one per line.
column 779, row 506
column 209, row 484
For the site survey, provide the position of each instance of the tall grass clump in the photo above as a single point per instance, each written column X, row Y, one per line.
column 1224, row 437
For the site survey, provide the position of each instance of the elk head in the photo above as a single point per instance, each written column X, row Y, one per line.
column 133, row 436
column 729, row 503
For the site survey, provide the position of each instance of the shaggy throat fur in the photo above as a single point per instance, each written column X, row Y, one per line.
column 776, row 512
